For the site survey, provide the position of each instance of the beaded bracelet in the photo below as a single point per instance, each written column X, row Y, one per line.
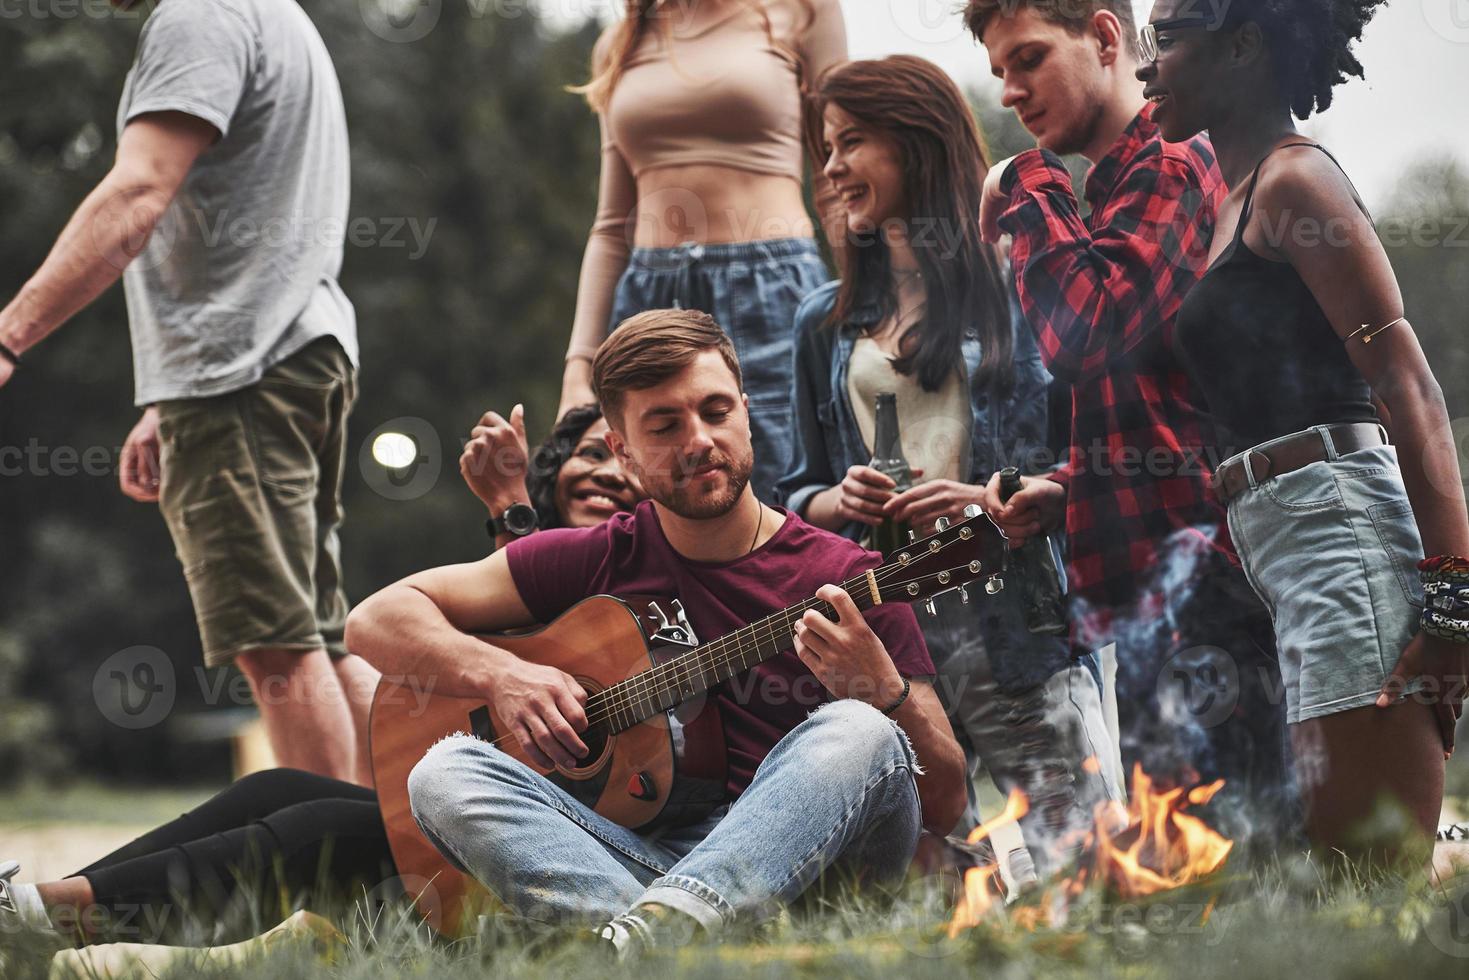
column 1444, row 568
column 1448, row 603
column 1436, row 624
column 1445, row 598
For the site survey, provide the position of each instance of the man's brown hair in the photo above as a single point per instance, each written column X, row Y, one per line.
column 1074, row 15
column 648, row 349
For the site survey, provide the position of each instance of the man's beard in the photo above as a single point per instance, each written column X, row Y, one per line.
column 678, row 494
column 1080, row 138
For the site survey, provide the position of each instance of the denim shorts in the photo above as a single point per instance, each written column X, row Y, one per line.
column 1332, row 549
column 752, row 290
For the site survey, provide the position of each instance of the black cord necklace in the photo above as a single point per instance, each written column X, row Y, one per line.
column 758, row 528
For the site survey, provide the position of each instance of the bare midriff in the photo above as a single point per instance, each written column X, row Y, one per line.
column 717, row 205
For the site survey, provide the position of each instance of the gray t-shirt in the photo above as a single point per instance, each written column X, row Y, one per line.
column 241, row 272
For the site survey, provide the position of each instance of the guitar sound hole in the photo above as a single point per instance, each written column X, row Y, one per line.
column 596, row 740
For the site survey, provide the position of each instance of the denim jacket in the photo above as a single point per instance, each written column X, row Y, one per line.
column 1008, row 431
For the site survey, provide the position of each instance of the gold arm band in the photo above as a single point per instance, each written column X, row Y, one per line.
column 872, row 585
column 1366, row 327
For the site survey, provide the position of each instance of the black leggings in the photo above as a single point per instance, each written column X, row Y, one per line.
column 242, row 861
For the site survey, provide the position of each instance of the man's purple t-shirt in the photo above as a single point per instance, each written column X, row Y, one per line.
column 628, row 555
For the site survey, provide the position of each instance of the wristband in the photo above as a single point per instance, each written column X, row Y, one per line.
column 901, row 698
column 9, row 355
column 1439, row 626
column 1444, row 568
column 1447, row 598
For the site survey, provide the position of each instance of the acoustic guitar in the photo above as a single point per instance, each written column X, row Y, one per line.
column 656, row 748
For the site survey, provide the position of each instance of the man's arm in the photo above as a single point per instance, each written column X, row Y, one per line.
column 1091, row 296
column 420, row 628
column 941, row 792
column 110, row 227
column 851, row 661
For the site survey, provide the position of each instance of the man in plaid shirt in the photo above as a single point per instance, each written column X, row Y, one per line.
column 1151, row 565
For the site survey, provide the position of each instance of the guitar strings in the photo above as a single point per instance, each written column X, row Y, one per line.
column 643, row 689
column 606, row 704
column 595, row 717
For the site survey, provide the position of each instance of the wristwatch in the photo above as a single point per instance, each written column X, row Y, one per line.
column 518, row 519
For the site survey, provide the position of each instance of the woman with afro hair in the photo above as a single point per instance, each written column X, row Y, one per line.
column 1297, row 337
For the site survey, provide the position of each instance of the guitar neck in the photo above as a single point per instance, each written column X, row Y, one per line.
column 670, row 684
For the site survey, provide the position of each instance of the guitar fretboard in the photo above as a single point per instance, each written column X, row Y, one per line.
column 668, row 685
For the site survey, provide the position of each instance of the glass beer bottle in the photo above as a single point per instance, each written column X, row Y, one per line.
column 1035, row 565
column 888, row 459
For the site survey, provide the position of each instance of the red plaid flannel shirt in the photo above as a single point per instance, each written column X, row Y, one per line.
column 1102, row 294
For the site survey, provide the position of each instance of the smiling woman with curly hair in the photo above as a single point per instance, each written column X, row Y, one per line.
column 1297, row 337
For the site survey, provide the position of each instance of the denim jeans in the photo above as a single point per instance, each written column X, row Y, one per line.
column 1049, row 740
column 837, row 792
column 752, row 290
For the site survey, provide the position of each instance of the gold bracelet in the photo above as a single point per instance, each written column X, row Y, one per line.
column 1365, row 327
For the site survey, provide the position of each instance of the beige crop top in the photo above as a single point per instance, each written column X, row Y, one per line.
column 711, row 90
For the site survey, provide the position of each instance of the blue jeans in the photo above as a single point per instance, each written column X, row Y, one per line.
column 837, row 791
column 1049, row 740
column 752, row 290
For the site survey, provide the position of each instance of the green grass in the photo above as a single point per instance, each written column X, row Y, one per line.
column 1287, row 920
column 1283, row 921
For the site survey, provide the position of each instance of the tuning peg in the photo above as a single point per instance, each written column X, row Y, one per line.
column 964, row 594
column 912, row 537
column 941, row 525
column 972, row 511
column 929, row 607
column 995, row 585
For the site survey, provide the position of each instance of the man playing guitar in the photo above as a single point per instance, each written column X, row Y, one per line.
column 837, row 753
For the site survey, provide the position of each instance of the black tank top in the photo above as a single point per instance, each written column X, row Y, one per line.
column 1253, row 338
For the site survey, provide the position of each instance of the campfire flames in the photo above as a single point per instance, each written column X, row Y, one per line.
column 981, row 889
column 1152, row 845
column 1162, row 847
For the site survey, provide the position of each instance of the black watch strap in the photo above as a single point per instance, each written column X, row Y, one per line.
column 503, row 523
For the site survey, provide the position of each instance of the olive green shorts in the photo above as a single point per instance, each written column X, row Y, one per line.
column 252, row 493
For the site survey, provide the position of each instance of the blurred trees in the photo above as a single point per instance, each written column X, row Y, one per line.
column 465, row 135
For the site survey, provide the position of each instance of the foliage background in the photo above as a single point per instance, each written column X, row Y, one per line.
column 469, row 127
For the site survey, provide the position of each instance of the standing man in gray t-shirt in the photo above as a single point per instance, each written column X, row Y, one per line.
column 225, row 214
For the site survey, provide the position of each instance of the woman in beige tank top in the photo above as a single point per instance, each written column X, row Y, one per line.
column 700, row 200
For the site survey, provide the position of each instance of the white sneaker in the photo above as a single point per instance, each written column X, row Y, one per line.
column 8, row 870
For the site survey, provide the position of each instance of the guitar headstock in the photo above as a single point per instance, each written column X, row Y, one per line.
column 954, row 556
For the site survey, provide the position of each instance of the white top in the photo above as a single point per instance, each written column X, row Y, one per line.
column 933, row 425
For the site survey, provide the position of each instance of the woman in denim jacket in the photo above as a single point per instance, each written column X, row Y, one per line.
column 924, row 313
